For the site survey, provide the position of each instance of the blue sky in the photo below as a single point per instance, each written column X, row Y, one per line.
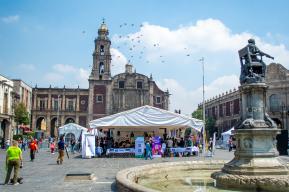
column 51, row 42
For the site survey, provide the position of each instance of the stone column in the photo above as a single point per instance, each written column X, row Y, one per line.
column 63, row 102
column 77, row 102
column 48, row 125
column 49, row 101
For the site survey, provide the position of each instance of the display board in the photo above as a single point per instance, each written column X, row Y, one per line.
column 156, row 147
column 139, row 147
column 88, row 146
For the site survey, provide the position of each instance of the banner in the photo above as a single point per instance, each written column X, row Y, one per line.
column 88, row 146
column 139, row 147
column 157, row 147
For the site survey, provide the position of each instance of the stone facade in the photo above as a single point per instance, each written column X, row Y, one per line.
column 6, row 108
column 225, row 108
column 106, row 94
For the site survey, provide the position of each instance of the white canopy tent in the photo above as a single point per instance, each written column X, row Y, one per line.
column 72, row 128
column 226, row 136
column 146, row 117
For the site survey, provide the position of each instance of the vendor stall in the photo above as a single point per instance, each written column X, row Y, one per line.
column 145, row 121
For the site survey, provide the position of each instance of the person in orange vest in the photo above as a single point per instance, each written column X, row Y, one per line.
column 33, row 148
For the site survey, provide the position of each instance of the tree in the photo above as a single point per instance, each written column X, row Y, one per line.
column 210, row 121
column 21, row 114
column 198, row 114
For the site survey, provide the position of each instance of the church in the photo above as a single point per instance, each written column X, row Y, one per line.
column 106, row 94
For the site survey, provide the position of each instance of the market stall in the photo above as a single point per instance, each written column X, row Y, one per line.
column 145, row 120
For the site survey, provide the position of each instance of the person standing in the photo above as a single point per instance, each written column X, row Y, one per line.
column 33, row 148
column 148, row 150
column 61, row 148
column 52, row 147
column 13, row 160
column 72, row 145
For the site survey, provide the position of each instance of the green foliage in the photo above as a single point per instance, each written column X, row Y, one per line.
column 21, row 114
column 210, row 121
column 198, row 114
column 16, row 137
column 210, row 126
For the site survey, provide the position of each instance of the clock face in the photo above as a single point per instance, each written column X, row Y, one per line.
column 82, row 102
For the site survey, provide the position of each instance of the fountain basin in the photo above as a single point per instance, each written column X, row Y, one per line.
column 194, row 176
column 170, row 176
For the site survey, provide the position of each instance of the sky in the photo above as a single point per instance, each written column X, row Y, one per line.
column 51, row 42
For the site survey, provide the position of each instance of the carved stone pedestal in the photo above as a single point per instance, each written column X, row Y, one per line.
column 255, row 165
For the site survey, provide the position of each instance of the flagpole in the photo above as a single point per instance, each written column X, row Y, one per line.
column 204, row 114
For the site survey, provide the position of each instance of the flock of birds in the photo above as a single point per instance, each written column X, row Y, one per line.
column 133, row 45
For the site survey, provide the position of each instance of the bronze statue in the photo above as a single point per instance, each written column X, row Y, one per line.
column 253, row 67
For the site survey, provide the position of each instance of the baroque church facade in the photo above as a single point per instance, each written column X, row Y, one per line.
column 106, row 94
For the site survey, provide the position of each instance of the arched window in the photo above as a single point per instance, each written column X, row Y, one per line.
column 101, row 68
column 274, row 103
column 101, row 50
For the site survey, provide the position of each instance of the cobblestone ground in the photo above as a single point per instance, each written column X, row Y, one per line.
column 45, row 175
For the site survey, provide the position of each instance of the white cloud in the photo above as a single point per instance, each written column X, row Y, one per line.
column 181, row 49
column 188, row 100
column 10, row 19
column 68, row 75
column 118, row 61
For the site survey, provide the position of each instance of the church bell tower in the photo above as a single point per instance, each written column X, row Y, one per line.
column 101, row 55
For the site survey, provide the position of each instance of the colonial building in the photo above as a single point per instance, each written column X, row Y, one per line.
column 6, row 108
column 24, row 93
column 106, row 95
column 225, row 107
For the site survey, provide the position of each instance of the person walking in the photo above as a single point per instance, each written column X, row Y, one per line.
column 13, row 160
column 61, row 148
column 33, row 148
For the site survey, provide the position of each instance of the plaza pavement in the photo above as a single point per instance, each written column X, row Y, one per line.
column 45, row 175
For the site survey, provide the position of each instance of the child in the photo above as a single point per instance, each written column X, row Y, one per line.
column 52, row 147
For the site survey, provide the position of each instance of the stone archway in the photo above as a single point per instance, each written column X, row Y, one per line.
column 53, row 127
column 39, row 121
column 69, row 120
column 4, row 132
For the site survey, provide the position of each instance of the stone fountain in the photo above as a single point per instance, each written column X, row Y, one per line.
column 255, row 165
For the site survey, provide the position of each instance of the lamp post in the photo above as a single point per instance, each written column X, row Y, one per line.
column 57, row 114
column 204, row 117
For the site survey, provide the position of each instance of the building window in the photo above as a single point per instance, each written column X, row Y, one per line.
column 55, row 105
column 274, row 103
column 101, row 50
column 5, row 103
column 158, row 99
column 70, row 106
column 139, row 85
column 121, row 84
column 42, row 104
column 99, row 98
column 101, row 68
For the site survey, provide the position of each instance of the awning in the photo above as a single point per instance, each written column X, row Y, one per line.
column 147, row 116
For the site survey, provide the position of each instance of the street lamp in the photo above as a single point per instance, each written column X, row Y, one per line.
column 204, row 117
column 57, row 113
